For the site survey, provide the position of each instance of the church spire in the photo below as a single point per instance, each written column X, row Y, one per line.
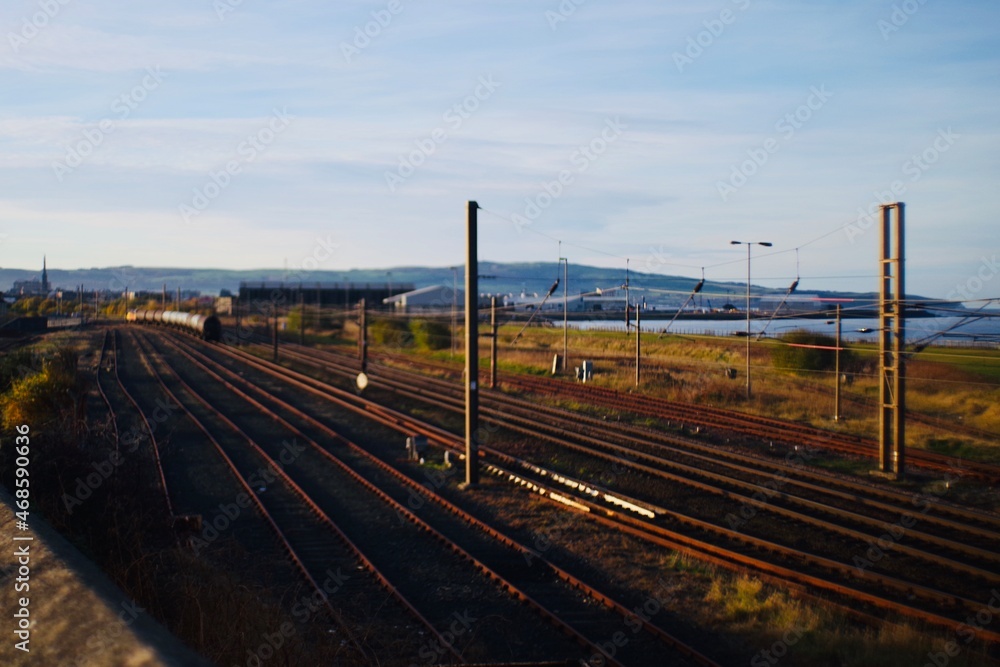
column 45, row 276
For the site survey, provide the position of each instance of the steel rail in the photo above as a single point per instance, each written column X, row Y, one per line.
column 258, row 503
column 452, row 508
column 152, row 436
column 407, row 424
column 670, row 444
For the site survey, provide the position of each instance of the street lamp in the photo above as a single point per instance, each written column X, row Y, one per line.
column 748, row 244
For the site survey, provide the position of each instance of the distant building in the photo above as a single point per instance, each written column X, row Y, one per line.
column 224, row 305
column 260, row 295
column 434, row 297
column 33, row 287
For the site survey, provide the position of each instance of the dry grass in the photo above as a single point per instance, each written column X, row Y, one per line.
column 951, row 386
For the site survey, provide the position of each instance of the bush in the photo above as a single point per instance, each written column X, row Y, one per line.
column 430, row 334
column 820, row 357
column 44, row 398
column 16, row 365
column 392, row 332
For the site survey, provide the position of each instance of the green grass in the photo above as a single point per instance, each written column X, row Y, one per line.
column 983, row 363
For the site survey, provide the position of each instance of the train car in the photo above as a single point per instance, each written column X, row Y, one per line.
column 212, row 329
column 206, row 327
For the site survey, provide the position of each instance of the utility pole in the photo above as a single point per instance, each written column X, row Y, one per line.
column 892, row 320
column 748, row 244
column 319, row 306
column 627, row 321
column 493, row 342
column 454, row 308
column 363, row 334
column 836, row 367
column 471, row 347
column 274, row 333
column 638, row 343
column 302, row 317
column 565, row 362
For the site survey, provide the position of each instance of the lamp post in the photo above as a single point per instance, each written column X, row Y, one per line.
column 748, row 244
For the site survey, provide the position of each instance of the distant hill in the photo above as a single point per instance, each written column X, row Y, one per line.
column 500, row 278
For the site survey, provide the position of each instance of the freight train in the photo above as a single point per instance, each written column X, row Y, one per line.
column 207, row 327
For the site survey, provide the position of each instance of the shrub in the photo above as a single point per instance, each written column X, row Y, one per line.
column 430, row 334
column 390, row 331
column 808, row 351
column 44, row 398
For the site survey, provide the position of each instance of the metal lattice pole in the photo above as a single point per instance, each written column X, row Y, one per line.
column 892, row 324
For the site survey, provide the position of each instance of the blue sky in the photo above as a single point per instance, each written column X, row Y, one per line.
column 220, row 133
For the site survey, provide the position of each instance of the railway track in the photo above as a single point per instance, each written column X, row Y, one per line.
column 313, row 543
column 120, row 401
column 977, row 526
column 727, row 423
column 762, row 428
column 552, row 592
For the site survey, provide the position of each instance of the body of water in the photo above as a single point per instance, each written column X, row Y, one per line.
column 953, row 329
